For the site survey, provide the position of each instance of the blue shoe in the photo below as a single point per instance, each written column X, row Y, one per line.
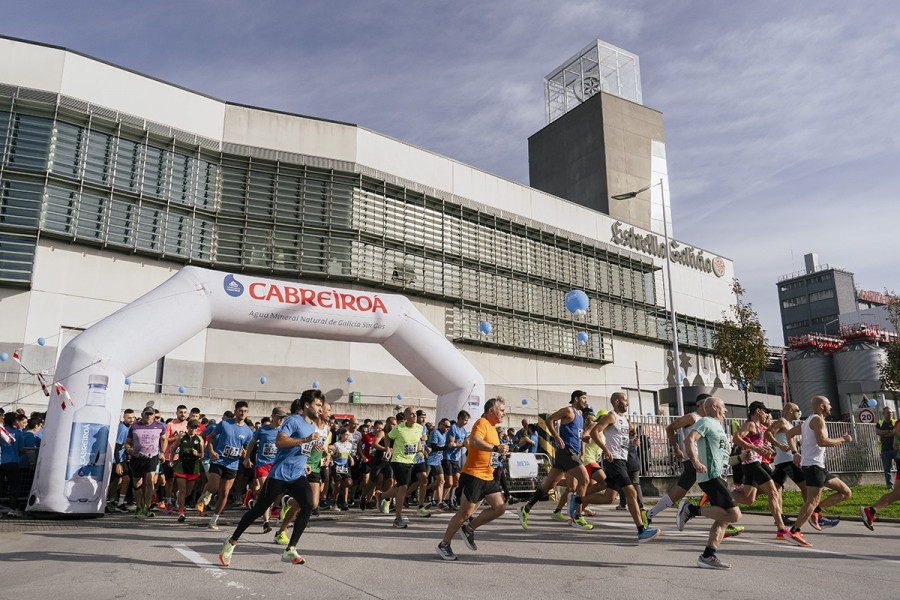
column 825, row 522
column 648, row 534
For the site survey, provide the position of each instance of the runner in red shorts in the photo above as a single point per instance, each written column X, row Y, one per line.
column 188, row 454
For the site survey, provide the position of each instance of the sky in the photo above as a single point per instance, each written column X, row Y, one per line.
column 781, row 118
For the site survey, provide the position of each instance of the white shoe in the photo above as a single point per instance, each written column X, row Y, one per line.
column 213, row 526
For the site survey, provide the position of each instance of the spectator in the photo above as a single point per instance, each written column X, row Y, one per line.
column 884, row 429
column 11, row 447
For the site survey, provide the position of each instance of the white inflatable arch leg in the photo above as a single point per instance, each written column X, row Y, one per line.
column 73, row 466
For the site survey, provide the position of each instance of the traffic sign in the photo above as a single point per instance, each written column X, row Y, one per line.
column 866, row 416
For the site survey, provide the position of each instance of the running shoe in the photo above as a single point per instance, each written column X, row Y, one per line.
column 149, row 513
column 559, row 516
column 712, row 562
column 201, row 507
column 645, row 520
column 362, row 504
column 315, row 512
column 796, row 537
column 400, row 523
column 580, row 523
column 385, row 507
column 122, row 508
column 780, row 534
column 814, row 521
column 266, row 527
column 225, row 553
column 212, row 525
column 290, row 555
column 684, row 514
column 704, row 500
column 282, row 538
column 734, row 530
column 523, row 517
column 247, row 497
column 161, row 505
column 181, row 518
column 423, row 512
column 443, row 550
column 621, row 507
column 138, row 513
column 443, row 506
column 468, row 536
column 787, row 520
column 868, row 517
column 826, row 522
column 169, row 508
column 649, row 533
column 587, row 512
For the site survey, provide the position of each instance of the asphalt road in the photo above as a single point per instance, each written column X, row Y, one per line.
column 359, row 555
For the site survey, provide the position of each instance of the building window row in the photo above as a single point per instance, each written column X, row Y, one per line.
column 823, row 295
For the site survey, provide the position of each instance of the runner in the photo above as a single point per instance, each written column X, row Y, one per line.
column 456, row 440
column 174, row 430
column 437, row 445
column 813, row 442
column 121, row 477
column 477, row 481
column 343, row 461
column 407, row 443
column 295, row 442
column 382, row 478
column 710, row 461
column 263, row 445
column 186, row 472
column 868, row 512
column 754, row 446
column 614, row 445
column 785, row 449
column 227, row 446
column 146, row 440
column 420, row 469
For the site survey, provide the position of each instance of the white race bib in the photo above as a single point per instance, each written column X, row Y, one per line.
column 269, row 450
column 231, row 451
column 409, row 448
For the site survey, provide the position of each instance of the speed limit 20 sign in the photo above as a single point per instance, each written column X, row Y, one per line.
column 866, row 416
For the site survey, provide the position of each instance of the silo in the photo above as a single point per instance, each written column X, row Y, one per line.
column 856, row 369
column 810, row 373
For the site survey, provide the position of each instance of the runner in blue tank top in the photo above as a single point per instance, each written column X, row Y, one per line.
column 566, row 461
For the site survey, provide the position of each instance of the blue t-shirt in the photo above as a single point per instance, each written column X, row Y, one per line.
column 459, row 435
column 290, row 463
column 438, row 439
column 29, row 440
column 534, row 443
column 571, row 432
column 10, row 451
column 121, row 436
column 229, row 440
column 265, row 445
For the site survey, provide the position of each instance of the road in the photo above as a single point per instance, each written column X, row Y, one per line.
column 359, row 555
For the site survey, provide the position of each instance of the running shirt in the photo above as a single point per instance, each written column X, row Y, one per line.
column 436, row 438
column 290, row 462
column 780, row 455
column 459, row 435
column 756, row 439
column 481, row 463
column 618, row 438
column 713, row 448
column 174, row 429
column 365, row 444
column 572, row 431
column 145, row 438
column 188, row 463
column 318, row 450
column 355, row 438
column 230, row 439
column 813, row 454
column 684, row 431
column 342, row 452
column 406, row 443
column 265, row 445
column 120, row 439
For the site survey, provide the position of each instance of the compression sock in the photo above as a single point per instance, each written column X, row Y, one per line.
column 664, row 503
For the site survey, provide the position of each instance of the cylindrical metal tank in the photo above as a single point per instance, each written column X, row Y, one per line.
column 856, row 368
column 810, row 373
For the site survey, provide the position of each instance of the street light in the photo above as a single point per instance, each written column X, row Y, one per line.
column 677, row 362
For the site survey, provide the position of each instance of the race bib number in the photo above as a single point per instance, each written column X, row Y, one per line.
column 342, row 469
column 495, row 459
column 306, row 448
column 409, row 448
column 269, row 450
column 231, row 451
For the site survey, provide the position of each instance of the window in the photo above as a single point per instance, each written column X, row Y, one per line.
column 823, row 295
column 16, row 257
column 789, row 302
column 30, row 143
column 20, row 204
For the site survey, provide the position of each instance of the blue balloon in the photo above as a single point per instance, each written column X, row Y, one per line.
column 3, row 356
column 577, row 302
column 263, row 380
column 349, row 380
column 582, row 337
column 128, row 381
column 315, row 385
column 485, row 327
column 524, row 401
column 873, row 402
column 399, row 396
column 634, row 412
column 649, row 414
column 41, row 341
column 181, row 389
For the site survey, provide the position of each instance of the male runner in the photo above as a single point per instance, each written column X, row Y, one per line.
column 382, row 475
column 616, row 432
column 812, row 461
column 751, row 439
column 710, row 461
column 437, row 445
column 566, row 461
column 174, row 430
column 227, row 445
column 295, row 442
column 407, row 443
column 145, row 442
column 263, row 445
column 121, row 477
column 868, row 512
column 456, row 440
column 186, row 472
column 420, row 469
column 785, row 449
column 477, row 481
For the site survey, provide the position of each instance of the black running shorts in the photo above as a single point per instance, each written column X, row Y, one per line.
column 718, row 493
column 617, row 474
column 816, row 476
column 755, row 474
column 688, row 475
column 222, row 472
column 566, row 459
column 785, row 470
column 402, row 473
column 476, row 489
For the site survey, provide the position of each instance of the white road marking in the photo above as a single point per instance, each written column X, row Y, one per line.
column 205, row 565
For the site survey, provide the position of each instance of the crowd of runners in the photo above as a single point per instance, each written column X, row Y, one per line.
column 297, row 462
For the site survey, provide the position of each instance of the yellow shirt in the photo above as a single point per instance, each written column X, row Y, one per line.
column 481, row 463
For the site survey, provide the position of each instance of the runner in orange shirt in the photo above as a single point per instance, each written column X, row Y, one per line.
column 477, row 482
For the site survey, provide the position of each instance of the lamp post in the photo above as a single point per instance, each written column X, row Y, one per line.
column 676, row 360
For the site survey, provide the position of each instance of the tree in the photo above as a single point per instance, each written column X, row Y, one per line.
column 740, row 342
column 890, row 366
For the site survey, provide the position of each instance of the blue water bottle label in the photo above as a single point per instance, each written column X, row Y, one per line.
column 87, row 450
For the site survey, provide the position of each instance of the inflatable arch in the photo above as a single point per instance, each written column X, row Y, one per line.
column 73, row 466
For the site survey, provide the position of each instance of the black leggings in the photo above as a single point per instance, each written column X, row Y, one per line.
column 10, row 472
column 301, row 492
